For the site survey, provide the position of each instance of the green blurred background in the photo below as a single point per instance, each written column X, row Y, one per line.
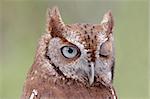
column 22, row 22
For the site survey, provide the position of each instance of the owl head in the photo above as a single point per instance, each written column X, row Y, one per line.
column 83, row 52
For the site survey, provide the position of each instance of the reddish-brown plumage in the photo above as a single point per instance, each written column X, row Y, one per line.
column 50, row 76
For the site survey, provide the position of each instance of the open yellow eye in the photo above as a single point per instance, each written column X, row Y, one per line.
column 69, row 51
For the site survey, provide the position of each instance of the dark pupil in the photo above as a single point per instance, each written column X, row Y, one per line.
column 70, row 50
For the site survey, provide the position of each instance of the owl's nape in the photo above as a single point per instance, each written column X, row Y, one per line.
column 73, row 61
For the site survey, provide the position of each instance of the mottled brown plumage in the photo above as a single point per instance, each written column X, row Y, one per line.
column 73, row 61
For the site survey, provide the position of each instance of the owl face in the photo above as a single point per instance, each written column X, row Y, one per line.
column 83, row 52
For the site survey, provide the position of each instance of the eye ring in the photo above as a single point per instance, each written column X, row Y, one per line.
column 70, row 51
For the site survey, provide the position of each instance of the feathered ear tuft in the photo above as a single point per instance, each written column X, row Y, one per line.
column 108, row 22
column 54, row 20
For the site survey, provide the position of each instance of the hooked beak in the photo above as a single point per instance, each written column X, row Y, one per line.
column 91, row 74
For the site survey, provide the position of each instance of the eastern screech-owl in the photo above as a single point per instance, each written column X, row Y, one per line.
column 73, row 61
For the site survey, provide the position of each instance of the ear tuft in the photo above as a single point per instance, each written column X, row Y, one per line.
column 54, row 13
column 54, row 19
column 108, row 22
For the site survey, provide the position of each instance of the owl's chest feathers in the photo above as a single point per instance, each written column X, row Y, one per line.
column 55, row 86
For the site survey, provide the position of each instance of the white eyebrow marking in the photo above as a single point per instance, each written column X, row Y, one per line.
column 34, row 93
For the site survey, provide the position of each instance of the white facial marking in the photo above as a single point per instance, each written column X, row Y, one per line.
column 103, row 37
column 73, row 38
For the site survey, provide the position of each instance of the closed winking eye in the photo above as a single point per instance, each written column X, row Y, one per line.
column 105, row 49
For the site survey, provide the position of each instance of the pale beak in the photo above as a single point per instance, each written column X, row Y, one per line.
column 91, row 74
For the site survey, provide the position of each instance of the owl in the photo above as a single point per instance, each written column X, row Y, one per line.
column 74, row 61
